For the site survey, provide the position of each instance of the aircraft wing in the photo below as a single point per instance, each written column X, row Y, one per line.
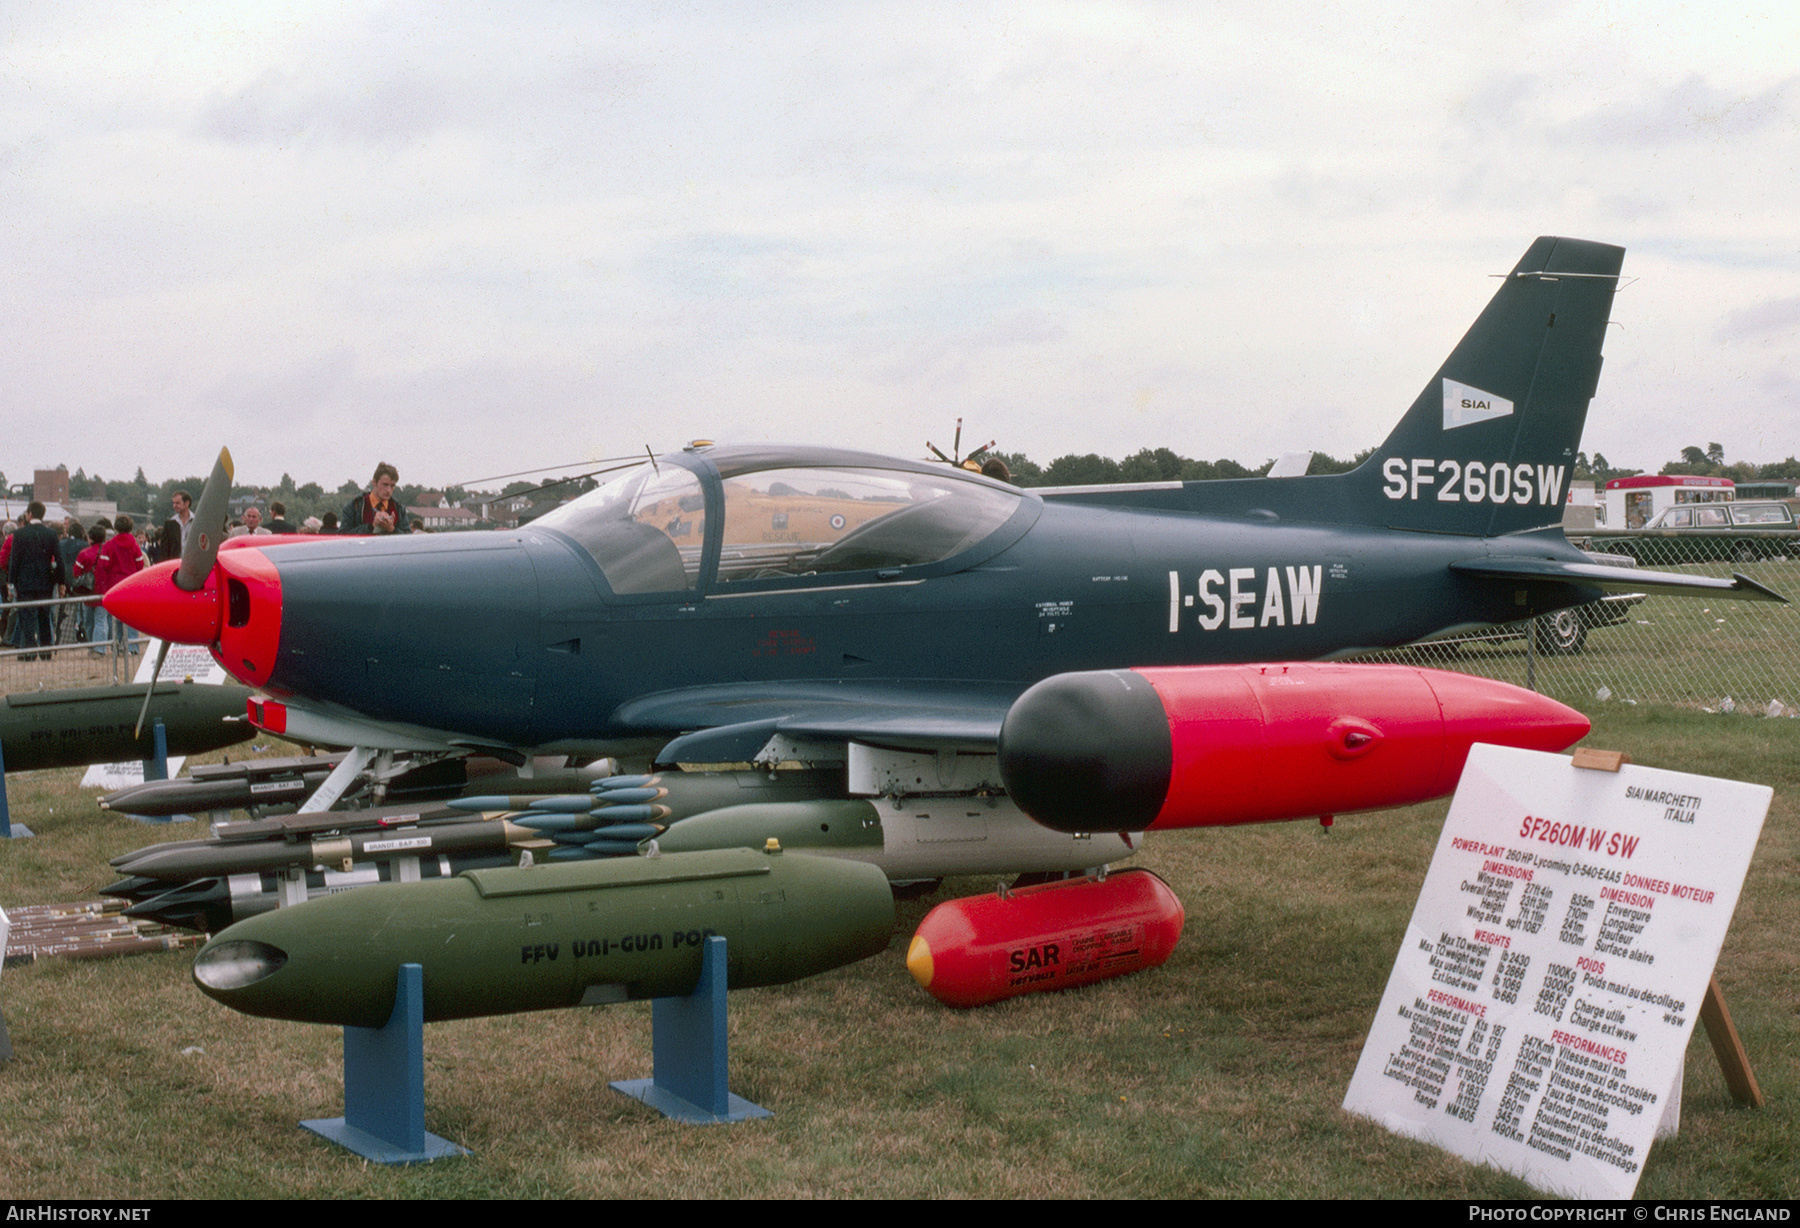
column 733, row 722
column 1615, row 579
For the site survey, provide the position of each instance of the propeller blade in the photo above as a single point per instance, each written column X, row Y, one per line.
column 162, row 654
column 202, row 546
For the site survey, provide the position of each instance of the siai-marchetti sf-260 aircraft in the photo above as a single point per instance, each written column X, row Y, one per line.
column 886, row 620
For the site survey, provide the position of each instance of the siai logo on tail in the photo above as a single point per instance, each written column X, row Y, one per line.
column 1464, row 404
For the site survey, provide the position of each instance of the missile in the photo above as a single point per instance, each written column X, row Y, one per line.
column 628, row 797
column 493, row 942
column 1213, row 745
column 673, row 800
column 51, row 729
column 188, row 860
column 225, row 786
column 983, row 948
column 633, row 833
column 556, row 803
column 265, row 782
column 283, row 829
column 616, row 818
column 194, row 795
column 288, row 781
column 211, row 904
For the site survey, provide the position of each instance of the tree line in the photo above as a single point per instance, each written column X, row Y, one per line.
column 138, row 496
column 1165, row 465
column 1148, row 465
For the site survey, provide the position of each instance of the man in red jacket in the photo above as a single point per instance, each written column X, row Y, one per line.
column 121, row 556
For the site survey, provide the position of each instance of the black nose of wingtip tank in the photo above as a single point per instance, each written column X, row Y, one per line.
column 1088, row 752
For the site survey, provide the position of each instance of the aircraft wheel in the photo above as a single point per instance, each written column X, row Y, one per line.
column 1560, row 634
column 1744, row 552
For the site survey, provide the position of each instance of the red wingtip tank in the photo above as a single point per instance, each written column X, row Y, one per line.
column 984, row 948
column 1214, row 745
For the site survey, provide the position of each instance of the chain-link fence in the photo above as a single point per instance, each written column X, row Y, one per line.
column 73, row 657
column 1692, row 652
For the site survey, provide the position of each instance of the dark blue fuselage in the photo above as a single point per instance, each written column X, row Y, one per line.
column 516, row 637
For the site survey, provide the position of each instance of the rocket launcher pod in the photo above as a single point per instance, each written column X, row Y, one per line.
column 1213, row 745
column 984, row 948
column 493, row 942
column 52, row 729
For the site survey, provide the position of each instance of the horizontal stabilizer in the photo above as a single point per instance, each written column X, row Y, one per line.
column 1616, row 579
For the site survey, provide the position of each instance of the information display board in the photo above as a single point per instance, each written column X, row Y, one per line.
column 1554, row 966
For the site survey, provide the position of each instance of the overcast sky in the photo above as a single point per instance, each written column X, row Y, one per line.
column 471, row 239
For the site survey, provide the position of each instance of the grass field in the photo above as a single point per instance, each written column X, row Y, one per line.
column 1217, row 1075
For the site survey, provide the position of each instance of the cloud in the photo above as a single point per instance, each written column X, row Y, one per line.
column 1775, row 315
column 1691, row 111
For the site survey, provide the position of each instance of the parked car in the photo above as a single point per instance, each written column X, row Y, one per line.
column 1707, row 532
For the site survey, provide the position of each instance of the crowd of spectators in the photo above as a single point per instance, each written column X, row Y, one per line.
column 42, row 561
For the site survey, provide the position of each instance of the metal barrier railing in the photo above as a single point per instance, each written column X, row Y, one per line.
column 74, row 658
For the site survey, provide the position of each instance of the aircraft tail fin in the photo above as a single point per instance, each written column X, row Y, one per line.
column 1489, row 445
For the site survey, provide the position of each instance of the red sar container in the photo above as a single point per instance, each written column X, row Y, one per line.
column 985, row 948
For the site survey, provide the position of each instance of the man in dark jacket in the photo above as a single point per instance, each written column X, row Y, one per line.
column 175, row 529
column 376, row 512
column 35, row 569
column 68, row 547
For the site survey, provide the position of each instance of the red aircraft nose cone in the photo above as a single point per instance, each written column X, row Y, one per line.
column 1478, row 710
column 150, row 602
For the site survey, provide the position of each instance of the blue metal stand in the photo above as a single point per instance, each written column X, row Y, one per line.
column 384, row 1086
column 156, row 767
column 7, row 830
column 690, row 1053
